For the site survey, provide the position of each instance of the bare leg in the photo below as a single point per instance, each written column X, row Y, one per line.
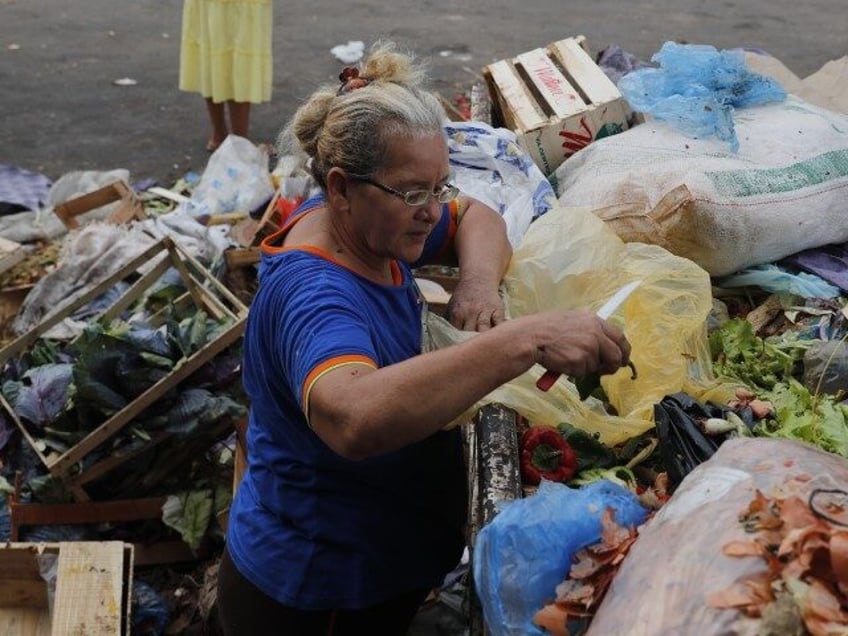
column 219, row 123
column 239, row 117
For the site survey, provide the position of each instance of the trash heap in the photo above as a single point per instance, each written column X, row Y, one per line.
column 120, row 396
column 718, row 190
column 726, row 458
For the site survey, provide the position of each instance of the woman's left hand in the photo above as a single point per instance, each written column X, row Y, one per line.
column 475, row 306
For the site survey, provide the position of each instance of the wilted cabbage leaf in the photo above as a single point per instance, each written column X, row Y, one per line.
column 189, row 333
column 42, row 394
column 134, row 378
column 197, row 407
column 147, row 339
column 95, row 375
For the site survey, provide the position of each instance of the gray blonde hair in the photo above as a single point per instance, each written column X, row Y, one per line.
column 351, row 130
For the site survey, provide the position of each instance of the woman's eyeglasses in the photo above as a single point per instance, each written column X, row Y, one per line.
column 413, row 198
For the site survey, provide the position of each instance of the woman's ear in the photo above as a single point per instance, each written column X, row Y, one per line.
column 338, row 195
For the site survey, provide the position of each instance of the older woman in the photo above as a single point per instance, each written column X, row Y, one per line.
column 353, row 505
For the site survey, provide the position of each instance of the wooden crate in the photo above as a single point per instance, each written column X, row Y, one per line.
column 556, row 100
column 130, row 206
column 93, row 589
column 204, row 291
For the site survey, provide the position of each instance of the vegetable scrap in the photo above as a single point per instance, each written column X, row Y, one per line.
column 546, row 455
column 771, row 369
column 39, row 259
column 804, row 545
column 588, row 579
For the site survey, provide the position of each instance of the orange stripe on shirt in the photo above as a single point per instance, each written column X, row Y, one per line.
column 326, row 367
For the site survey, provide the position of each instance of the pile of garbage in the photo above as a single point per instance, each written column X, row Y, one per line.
column 122, row 307
column 736, row 480
column 120, row 360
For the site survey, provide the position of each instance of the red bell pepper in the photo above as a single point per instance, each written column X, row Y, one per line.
column 546, row 455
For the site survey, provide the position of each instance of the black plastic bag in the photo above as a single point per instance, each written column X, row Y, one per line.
column 683, row 442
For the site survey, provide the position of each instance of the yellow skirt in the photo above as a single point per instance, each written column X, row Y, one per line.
column 226, row 51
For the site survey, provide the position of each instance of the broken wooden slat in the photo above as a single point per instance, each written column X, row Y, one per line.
column 90, row 589
column 37, row 514
column 92, row 594
column 131, row 206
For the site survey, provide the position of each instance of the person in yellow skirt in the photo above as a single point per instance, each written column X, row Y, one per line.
column 226, row 55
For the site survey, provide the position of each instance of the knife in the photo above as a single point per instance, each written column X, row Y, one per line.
column 608, row 309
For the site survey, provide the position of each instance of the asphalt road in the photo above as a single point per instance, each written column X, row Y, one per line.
column 61, row 110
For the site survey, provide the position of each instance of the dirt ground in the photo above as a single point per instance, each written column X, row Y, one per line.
column 59, row 61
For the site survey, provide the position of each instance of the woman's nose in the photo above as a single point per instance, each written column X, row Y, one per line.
column 430, row 210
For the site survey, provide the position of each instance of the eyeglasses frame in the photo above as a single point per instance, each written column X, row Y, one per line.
column 446, row 188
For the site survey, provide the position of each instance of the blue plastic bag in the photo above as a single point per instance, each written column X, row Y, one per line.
column 150, row 612
column 526, row 550
column 696, row 89
column 775, row 279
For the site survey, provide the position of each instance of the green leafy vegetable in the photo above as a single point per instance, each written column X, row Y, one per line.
column 189, row 514
column 591, row 452
column 770, row 367
column 620, row 475
column 817, row 420
column 741, row 355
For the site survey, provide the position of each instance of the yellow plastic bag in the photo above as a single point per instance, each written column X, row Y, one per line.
column 569, row 259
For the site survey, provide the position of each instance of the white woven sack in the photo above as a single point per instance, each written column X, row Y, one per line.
column 784, row 191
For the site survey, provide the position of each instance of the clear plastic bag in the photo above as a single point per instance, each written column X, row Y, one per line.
column 663, row 586
column 236, row 179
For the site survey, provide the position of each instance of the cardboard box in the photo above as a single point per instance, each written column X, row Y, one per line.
column 92, row 594
column 204, row 292
column 129, row 205
column 556, row 100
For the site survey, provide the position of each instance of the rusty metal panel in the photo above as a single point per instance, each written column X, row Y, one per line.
column 494, row 477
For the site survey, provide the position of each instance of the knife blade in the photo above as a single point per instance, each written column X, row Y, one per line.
column 607, row 309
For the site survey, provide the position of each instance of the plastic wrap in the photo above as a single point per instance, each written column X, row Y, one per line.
column 663, row 585
column 570, row 260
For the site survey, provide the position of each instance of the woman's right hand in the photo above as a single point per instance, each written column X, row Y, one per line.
column 577, row 343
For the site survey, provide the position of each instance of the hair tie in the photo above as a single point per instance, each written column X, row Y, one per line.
column 350, row 79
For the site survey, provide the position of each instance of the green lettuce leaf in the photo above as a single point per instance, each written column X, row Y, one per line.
column 189, row 514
